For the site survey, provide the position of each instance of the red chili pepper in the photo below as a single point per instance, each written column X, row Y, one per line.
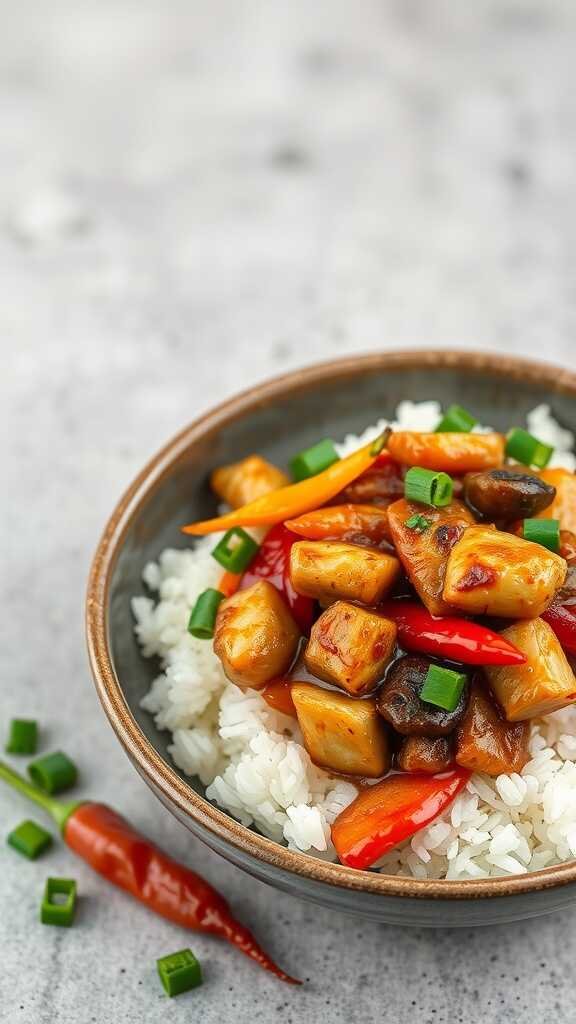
column 272, row 563
column 389, row 812
column 447, row 637
column 109, row 844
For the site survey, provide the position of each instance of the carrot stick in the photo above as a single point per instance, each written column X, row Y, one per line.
column 291, row 501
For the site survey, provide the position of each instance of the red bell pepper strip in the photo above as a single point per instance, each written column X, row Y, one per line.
column 448, row 637
column 109, row 844
column 272, row 563
column 389, row 812
column 562, row 619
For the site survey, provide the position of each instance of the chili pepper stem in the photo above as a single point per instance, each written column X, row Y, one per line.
column 60, row 812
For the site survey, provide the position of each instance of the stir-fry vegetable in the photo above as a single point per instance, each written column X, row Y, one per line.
column 449, row 637
column 245, row 481
column 359, row 524
column 401, row 703
column 495, row 573
column 428, row 754
column 350, row 647
column 486, row 742
column 451, row 453
column 543, row 531
column 314, row 460
column 424, row 552
column 427, row 487
column 341, row 733
column 545, row 684
column 328, row 570
column 456, row 420
column 255, row 635
column 525, row 448
column 443, row 687
column 391, row 811
column 291, row 501
column 505, row 495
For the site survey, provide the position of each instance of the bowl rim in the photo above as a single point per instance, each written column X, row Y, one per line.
column 151, row 765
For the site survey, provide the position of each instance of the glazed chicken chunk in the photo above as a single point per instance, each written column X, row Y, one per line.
column 486, row 742
column 255, row 636
column 544, row 684
column 350, row 647
column 329, row 570
column 341, row 733
column 494, row 573
column 244, row 481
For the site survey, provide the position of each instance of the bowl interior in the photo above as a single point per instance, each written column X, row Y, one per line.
column 277, row 423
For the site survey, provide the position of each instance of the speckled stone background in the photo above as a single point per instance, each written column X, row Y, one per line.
column 193, row 196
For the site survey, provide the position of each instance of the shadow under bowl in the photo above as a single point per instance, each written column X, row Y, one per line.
column 278, row 418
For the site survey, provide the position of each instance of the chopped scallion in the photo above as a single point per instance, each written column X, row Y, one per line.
column 236, row 550
column 418, row 523
column 524, row 448
column 456, row 420
column 203, row 616
column 23, row 736
column 428, row 487
column 543, row 531
column 314, row 460
column 29, row 839
column 179, row 972
column 443, row 687
column 53, row 773
column 56, row 911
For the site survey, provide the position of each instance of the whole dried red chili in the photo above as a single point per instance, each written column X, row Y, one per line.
column 109, row 844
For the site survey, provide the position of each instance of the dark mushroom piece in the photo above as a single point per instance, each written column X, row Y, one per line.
column 503, row 495
column 428, row 754
column 400, row 704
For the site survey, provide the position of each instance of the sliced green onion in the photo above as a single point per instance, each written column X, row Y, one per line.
column 456, row 420
column 53, row 773
column 428, row 487
column 236, row 550
column 443, row 687
column 23, row 736
column 543, row 531
column 418, row 523
column 313, row 460
column 29, row 839
column 179, row 972
column 57, row 911
column 203, row 615
column 524, row 448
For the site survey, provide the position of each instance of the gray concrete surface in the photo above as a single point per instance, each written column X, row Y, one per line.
column 193, row 196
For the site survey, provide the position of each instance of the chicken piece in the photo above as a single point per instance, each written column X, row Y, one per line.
column 486, row 742
column 428, row 754
column 399, row 701
column 564, row 505
column 341, row 733
column 424, row 553
column 494, row 573
column 350, row 647
column 244, row 481
column 503, row 495
column 451, row 452
column 255, row 636
column 543, row 684
column 329, row 570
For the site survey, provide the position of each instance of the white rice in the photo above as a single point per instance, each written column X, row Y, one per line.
column 253, row 763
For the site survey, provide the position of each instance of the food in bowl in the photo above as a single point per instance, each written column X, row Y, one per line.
column 382, row 671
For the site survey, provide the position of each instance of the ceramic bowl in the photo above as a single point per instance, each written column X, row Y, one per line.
column 278, row 418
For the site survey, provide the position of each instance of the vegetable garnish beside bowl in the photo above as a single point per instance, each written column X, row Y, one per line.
column 292, row 415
